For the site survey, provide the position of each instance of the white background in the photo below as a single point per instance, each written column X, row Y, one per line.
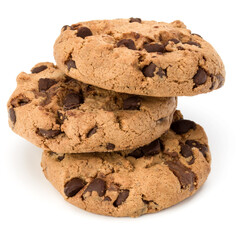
column 30, row 208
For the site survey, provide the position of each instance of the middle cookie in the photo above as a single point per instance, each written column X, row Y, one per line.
column 60, row 114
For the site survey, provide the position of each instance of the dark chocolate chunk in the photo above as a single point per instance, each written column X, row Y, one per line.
column 48, row 133
column 186, row 150
column 148, row 71
column 180, row 48
column 45, row 83
column 72, row 100
column 137, row 36
column 182, row 126
column 154, row 48
column 193, row 43
column 73, row 186
column 185, row 175
column 123, row 195
column 200, row 77
column 60, row 118
column 84, row 32
column 49, row 95
column 20, row 101
column 161, row 72
column 220, row 80
column 70, row 64
column 110, row 146
column 12, row 115
column 92, row 131
column 202, row 148
column 152, row 149
column 176, row 41
column 65, row 27
column 138, row 153
column 128, row 43
column 197, row 35
column 97, row 185
column 132, row 103
column 39, row 69
column 107, row 199
column 131, row 20
column 61, row 157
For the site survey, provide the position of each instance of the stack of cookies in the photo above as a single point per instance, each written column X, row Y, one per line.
column 106, row 116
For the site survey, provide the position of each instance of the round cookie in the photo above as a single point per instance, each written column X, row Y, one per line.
column 139, row 57
column 63, row 115
column 137, row 182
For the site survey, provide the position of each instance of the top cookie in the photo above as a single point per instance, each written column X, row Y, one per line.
column 139, row 57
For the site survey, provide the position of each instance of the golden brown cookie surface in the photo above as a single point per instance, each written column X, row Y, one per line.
column 63, row 115
column 139, row 57
column 133, row 183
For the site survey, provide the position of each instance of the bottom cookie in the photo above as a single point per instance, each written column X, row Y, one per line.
column 146, row 180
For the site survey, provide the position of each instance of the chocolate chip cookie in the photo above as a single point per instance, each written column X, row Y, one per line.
column 139, row 57
column 60, row 114
column 132, row 183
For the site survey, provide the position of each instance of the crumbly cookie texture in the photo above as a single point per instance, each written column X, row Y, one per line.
column 139, row 57
column 61, row 114
column 132, row 183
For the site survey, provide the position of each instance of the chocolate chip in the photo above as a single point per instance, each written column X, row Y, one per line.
column 98, row 185
column 220, row 80
column 65, row 27
column 107, row 199
column 72, row 100
column 161, row 72
column 152, row 149
column 73, row 186
column 74, row 26
column 182, row 126
column 49, row 95
column 60, row 118
column 129, row 43
column 132, row 103
column 202, row 148
column 136, row 36
column 113, row 187
column 92, row 131
column 193, row 43
column 180, row 48
column 12, row 115
column 154, row 48
column 123, row 195
column 48, row 133
column 39, row 69
column 186, row 150
column 176, row 41
column 20, row 101
column 110, row 146
column 213, row 84
column 185, row 175
column 138, row 153
column 84, row 32
column 60, row 158
column 131, row 20
column 70, row 64
column 45, row 83
column 195, row 34
column 200, row 77
column 148, row 71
